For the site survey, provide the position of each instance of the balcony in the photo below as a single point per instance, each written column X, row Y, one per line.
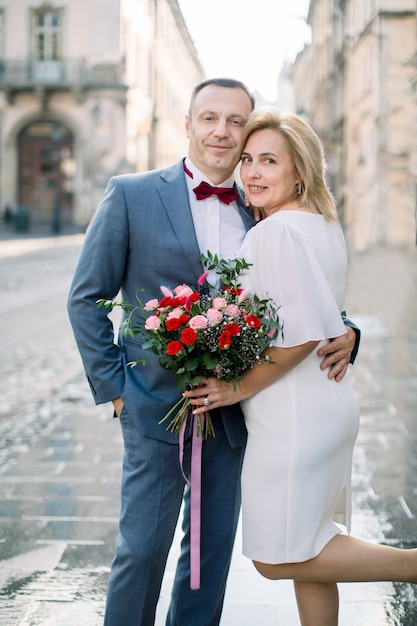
column 76, row 75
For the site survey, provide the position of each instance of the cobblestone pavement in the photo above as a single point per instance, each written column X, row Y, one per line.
column 60, row 460
column 34, row 286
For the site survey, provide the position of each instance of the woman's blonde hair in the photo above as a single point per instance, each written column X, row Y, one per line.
column 306, row 152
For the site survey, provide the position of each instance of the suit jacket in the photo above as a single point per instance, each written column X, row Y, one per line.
column 141, row 237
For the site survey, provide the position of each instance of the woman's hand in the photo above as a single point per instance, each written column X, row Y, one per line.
column 258, row 212
column 212, row 393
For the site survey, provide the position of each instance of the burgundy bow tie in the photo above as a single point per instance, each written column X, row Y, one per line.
column 225, row 194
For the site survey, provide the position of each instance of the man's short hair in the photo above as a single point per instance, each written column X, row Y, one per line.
column 228, row 83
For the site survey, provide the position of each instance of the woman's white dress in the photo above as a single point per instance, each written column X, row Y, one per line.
column 301, row 430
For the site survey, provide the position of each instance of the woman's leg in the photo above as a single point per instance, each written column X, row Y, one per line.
column 318, row 603
column 347, row 559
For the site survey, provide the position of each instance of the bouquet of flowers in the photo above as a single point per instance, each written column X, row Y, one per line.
column 197, row 334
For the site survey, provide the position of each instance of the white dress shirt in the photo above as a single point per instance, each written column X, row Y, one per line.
column 218, row 226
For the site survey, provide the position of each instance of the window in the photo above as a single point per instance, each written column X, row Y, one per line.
column 47, row 35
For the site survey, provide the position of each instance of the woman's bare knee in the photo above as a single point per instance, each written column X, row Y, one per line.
column 272, row 572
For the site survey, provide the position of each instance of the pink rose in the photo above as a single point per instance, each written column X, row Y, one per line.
column 214, row 316
column 177, row 312
column 183, row 291
column 232, row 310
column 198, row 322
column 219, row 303
column 151, row 305
column 152, row 323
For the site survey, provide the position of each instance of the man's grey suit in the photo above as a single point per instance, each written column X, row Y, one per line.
column 142, row 236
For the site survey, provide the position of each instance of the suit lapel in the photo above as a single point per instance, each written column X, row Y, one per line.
column 173, row 192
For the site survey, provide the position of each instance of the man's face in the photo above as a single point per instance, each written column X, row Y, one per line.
column 214, row 128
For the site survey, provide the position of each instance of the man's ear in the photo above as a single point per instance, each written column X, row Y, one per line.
column 188, row 126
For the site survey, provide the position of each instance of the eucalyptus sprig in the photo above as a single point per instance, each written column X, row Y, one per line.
column 134, row 319
column 228, row 269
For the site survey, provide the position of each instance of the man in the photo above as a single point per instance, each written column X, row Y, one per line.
column 149, row 231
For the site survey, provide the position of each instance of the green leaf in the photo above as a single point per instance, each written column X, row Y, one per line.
column 210, row 360
column 191, row 364
column 129, row 332
column 196, row 380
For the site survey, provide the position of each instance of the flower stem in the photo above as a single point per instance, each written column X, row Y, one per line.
column 183, row 414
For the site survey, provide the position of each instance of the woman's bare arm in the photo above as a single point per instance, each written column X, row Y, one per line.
column 222, row 393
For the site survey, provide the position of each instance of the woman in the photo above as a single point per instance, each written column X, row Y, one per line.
column 301, row 425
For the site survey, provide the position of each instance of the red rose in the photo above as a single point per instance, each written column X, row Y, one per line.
column 225, row 340
column 174, row 347
column 173, row 323
column 184, row 319
column 234, row 291
column 188, row 336
column 253, row 321
column 232, row 329
column 195, row 296
column 165, row 302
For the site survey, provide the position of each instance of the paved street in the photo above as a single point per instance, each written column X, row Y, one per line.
column 60, row 456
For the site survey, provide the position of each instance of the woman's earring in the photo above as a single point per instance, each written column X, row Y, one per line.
column 298, row 188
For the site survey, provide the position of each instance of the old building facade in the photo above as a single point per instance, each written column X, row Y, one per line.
column 88, row 90
column 359, row 99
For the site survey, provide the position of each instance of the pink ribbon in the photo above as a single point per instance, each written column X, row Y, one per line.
column 195, row 496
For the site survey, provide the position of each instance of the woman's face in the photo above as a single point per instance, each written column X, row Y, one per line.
column 267, row 172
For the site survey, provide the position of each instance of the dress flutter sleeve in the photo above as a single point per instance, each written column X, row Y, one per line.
column 285, row 268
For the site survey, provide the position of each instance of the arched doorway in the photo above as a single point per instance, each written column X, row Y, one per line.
column 46, row 170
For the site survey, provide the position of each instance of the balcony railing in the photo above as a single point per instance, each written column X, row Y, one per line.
column 24, row 74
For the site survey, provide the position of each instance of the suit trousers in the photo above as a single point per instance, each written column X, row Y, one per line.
column 152, row 492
